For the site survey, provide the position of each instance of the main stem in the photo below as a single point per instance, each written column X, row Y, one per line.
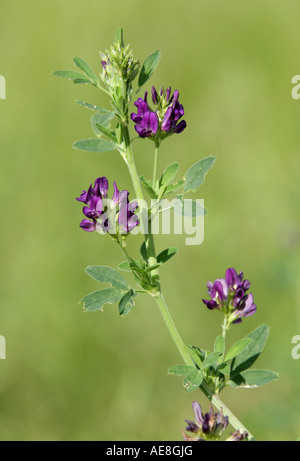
column 214, row 398
column 156, row 153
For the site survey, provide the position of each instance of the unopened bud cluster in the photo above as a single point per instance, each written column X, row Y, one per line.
column 119, row 69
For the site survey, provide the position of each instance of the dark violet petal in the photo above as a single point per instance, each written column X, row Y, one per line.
column 180, row 127
column 103, row 186
column 154, row 95
column 168, row 93
column 136, row 118
column 166, row 124
column 237, row 321
column 247, row 307
column 251, row 311
column 231, row 277
column 211, row 304
column 142, row 109
column 153, row 122
column 175, row 97
column 87, row 225
column 142, row 132
column 246, row 285
column 87, row 211
column 138, row 102
column 94, row 202
column 205, row 425
column 191, row 426
column 98, row 186
column 83, row 196
column 146, row 120
column 221, row 289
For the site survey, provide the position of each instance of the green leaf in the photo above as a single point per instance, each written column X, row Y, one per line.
column 180, row 370
column 84, row 66
column 148, row 187
column 224, row 368
column 143, row 252
column 95, row 108
column 195, row 176
column 108, row 275
column 94, row 145
column 119, row 133
column 119, row 37
column 169, row 174
column 237, row 348
column 189, row 208
column 149, row 67
column 127, row 303
column 109, row 133
column 125, row 266
column 193, row 380
column 259, row 339
column 198, row 355
column 83, row 80
column 210, row 360
column 252, row 379
column 220, row 345
column 101, row 121
column 174, row 187
column 95, row 301
column 72, row 75
column 167, row 254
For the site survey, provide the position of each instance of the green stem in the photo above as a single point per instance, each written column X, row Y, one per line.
column 124, row 251
column 163, row 308
column 156, row 153
column 132, row 167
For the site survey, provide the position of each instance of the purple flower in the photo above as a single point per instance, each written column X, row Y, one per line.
column 145, row 119
column 127, row 220
column 100, row 213
column 172, row 116
column 208, row 427
column 230, row 296
column 163, row 120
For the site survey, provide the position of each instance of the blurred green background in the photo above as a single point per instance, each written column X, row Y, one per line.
column 70, row 376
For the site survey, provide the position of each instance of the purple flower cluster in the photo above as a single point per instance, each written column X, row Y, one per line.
column 209, row 427
column 101, row 213
column 229, row 295
column 164, row 120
